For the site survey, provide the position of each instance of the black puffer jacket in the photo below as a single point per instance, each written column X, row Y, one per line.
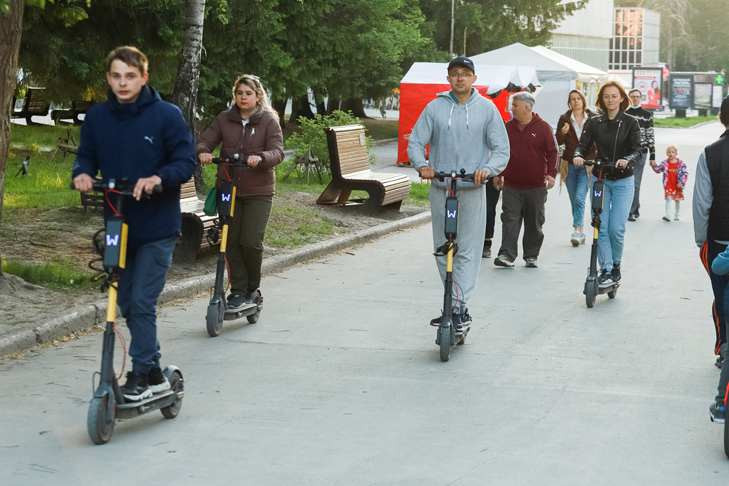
column 615, row 139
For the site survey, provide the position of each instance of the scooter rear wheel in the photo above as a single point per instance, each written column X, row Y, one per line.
column 177, row 385
column 253, row 318
column 613, row 293
column 214, row 318
column 99, row 423
column 444, row 340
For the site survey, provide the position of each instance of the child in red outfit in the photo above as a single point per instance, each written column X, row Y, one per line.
column 675, row 176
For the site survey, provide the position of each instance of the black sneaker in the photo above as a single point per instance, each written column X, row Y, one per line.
column 504, row 261
column 616, row 273
column 486, row 249
column 719, row 361
column 236, row 301
column 136, row 388
column 158, row 382
column 254, row 297
column 717, row 411
column 605, row 280
column 530, row 262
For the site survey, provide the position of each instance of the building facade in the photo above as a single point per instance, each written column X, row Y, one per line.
column 585, row 35
column 636, row 38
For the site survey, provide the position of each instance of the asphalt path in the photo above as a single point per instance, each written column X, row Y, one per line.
column 340, row 381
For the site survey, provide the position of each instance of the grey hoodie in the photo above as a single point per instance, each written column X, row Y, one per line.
column 466, row 136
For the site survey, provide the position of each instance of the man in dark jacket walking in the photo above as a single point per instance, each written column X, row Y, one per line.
column 711, row 230
column 528, row 175
column 137, row 136
column 647, row 146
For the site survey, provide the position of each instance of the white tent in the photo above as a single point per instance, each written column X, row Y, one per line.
column 557, row 73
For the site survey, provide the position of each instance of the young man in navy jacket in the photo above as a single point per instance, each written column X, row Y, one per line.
column 137, row 136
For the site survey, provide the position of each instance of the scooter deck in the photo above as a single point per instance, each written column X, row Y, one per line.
column 607, row 290
column 247, row 310
column 132, row 409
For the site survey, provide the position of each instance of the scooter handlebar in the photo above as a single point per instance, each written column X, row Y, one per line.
column 441, row 176
column 237, row 159
column 122, row 187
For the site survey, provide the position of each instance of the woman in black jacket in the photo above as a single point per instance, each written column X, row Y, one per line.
column 617, row 138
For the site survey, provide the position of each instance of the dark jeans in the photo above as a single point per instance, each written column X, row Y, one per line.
column 139, row 287
column 492, row 199
column 245, row 243
column 720, row 286
column 517, row 206
column 638, row 167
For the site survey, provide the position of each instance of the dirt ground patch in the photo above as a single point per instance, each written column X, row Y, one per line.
column 41, row 236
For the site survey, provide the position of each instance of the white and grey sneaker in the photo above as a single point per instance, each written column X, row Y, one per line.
column 575, row 239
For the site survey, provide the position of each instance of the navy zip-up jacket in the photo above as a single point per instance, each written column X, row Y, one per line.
column 134, row 140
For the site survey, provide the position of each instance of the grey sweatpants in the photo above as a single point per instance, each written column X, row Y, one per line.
column 471, row 228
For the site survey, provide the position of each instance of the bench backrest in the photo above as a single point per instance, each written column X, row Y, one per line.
column 187, row 190
column 347, row 150
column 36, row 102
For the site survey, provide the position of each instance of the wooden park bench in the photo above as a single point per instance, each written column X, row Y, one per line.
column 350, row 164
column 34, row 104
column 72, row 114
column 195, row 223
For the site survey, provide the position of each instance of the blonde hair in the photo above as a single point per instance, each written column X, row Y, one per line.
column 672, row 147
column 254, row 82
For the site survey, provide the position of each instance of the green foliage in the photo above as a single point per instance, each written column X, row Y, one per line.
column 58, row 274
column 41, row 135
column 419, row 194
column 673, row 122
column 310, row 137
column 292, row 225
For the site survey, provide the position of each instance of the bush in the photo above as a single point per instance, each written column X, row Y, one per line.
column 311, row 137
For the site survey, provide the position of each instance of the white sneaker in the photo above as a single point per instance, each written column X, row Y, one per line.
column 575, row 239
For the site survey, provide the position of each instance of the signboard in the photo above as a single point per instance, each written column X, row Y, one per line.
column 718, row 96
column 681, row 91
column 649, row 81
column 702, row 96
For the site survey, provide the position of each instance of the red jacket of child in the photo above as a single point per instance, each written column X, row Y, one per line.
column 533, row 154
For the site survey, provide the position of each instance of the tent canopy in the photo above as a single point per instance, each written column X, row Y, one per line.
column 494, row 77
column 549, row 64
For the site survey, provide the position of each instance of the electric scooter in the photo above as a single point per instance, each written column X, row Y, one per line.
column 218, row 310
column 592, row 288
column 446, row 336
column 108, row 403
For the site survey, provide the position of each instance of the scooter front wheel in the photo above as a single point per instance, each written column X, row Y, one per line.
column 100, row 419
column 214, row 318
column 590, row 293
column 444, row 340
column 177, row 385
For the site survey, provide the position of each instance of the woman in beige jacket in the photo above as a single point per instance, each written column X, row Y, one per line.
column 249, row 128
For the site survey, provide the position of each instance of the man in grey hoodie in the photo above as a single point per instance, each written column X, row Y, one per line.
column 465, row 131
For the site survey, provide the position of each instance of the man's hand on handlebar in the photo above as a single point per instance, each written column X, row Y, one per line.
column 205, row 158
column 426, row 172
column 578, row 161
column 145, row 185
column 480, row 176
column 83, row 183
column 621, row 164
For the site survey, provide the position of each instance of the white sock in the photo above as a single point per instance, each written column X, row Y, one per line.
column 669, row 203
column 678, row 208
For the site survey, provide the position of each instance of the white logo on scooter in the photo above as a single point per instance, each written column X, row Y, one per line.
column 451, row 214
column 112, row 240
column 225, row 197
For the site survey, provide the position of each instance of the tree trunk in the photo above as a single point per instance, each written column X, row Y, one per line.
column 301, row 107
column 321, row 106
column 356, row 106
column 184, row 93
column 279, row 104
column 11, row 29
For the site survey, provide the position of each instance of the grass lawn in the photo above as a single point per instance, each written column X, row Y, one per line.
column 381, row 129
column 41, row 135
column 673, row 122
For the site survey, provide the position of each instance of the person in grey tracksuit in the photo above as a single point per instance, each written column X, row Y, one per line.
column 465, row 131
